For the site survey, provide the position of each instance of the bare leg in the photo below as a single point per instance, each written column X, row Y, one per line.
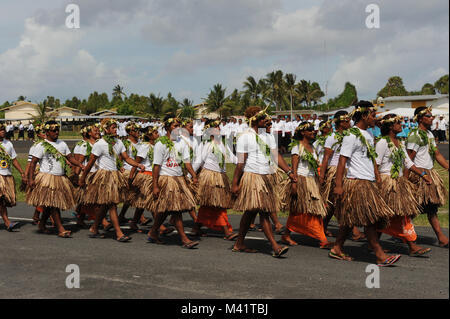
column 56, row 215
column 372, row 237
column 343, row 233
column 246, row 220
column 267, row 229
column 434, row 222
column 178, row 223
column 115, row 221
column 4, row 213
column 159, row 220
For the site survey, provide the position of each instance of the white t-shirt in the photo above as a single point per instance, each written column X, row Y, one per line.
column 384, row 158
column 330, row 144
column 82, row 150
column 423, row 158
column 435, row 124
column 129, row 151
column 303, row 168
column 442, row 126
column 9, row 148
column 48, row 163
column 143, row 150
column 257, row 162
column 105, row 160
column 360, row 166
column 211, row 161
column 170, row 161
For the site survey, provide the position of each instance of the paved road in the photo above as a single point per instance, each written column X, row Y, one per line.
column 33, row 266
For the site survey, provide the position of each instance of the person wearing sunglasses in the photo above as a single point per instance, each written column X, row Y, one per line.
column 423, row 151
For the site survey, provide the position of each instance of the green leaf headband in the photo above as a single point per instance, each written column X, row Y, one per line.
column 392, row 120
column 132, row 125
column 428, row 109
column 258, row 115
column 171, row 120
column 107, row 123
column 341, row 118
column 327, row 123
column 50, row 127
column 363, row 109
column 216, row 123
column 304, row 126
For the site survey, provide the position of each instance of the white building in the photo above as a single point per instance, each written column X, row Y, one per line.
column 415, row 101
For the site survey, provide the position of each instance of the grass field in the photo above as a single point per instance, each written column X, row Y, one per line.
column 419, row 221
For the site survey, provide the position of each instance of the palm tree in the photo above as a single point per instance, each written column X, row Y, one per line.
column 290, row 87
column 42, row 115
column 308, row 92
column 187, row 109
column 118, row 91
column 155, row 105
column 252, row 88
column 216, row 99
column 276, row 83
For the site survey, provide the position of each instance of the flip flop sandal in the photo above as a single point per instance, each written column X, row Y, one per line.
column 280, row 252
column 280, row 231
column 231, row 237
column 342, row 256
column 244, row 250
column 327, row 246
column 12, row 226
column 389, row 261
column 190, row 245
column 124, row 239
column 65, row 234
column 420, row 252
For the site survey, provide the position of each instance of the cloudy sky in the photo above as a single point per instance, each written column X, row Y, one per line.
column 187, row 46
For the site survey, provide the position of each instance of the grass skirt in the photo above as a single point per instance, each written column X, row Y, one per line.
column 141, row 193
column 52, row 191
column 328, row 187
column 257, row 193
column 104, row 188
column 399, row 196
column 307, row 199
column 281, row 182
column 361, row 204
column 429, row 194
column 175, row 195
column 214, row 189
column 7, row 191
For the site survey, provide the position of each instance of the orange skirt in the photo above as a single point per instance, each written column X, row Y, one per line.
column 214, row 218
column 401, row 227
column 309, row 225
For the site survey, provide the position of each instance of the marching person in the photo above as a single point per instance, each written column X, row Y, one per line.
column 359, row 202
column 172, row 195
column 8, row 158
column 397, row 191
column 51, row 187
column 254, row 181
column 306, row 206
column 107, row 187
column 422, row 150
column 142, row 183
column 327, row 171
column 214, row 190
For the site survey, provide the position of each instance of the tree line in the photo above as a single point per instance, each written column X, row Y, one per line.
column 277, row 90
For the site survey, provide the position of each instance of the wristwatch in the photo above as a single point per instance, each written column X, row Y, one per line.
column 423, row 174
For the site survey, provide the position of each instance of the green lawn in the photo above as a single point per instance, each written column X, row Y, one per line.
column 419, row 221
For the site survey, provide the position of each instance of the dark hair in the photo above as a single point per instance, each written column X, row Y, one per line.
column 337, row 115
column 365, row 105
column 51, row 122
column 298, row 134
column 168, row 116
column 386, row 127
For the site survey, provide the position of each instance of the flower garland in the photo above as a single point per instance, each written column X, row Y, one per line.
column 219, row 155
column 371, row 153
column 88, row 147
column 397, row 157
column 420, row 137
column 5, row 158
column 306, row 156
column 170, row 145
column 265, row 149
column 111, row 141
column 127, row 144
column 50, row 149
column 339, row 137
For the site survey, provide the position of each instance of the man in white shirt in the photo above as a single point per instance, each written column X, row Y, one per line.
column 360, row 203
column 442, row 128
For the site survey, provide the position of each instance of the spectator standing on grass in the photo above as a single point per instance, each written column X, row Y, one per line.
column 30, row 132
column 21, row 132
column 442, row 129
